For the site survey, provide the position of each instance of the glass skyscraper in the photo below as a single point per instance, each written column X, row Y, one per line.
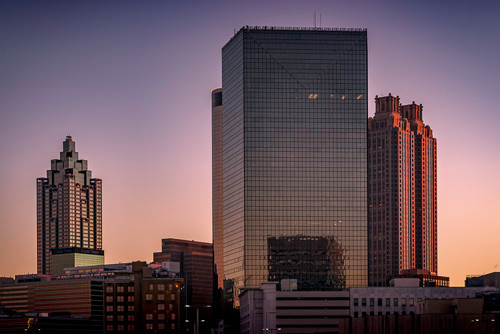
column 294, row 158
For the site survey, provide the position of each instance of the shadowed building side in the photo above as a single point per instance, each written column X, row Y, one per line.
column 217, row 184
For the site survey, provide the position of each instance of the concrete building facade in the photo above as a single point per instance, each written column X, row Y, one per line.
column 401, row 299
column 266, row 310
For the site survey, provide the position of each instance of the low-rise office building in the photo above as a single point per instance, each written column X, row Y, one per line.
column 196, row 268
column 477, row 315
column 140, row 305
column 81, row 299
column 6, row 280
column 425, row 277
column 75, row 257
column 137, row 297
column 265, row 310
column 132, row 297
column 402, row 297
column 491, row 280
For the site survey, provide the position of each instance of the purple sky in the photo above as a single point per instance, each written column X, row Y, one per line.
column 131, row 82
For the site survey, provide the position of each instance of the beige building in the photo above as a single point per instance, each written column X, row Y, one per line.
column 75, row 257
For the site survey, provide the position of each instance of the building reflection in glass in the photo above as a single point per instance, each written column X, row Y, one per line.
column 318, row 263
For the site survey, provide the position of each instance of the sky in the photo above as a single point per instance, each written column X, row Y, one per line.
column 131, row 82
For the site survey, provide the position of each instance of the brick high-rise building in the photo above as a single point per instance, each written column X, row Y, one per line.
column 69, row 209
column 401, row 191
column 196, row 268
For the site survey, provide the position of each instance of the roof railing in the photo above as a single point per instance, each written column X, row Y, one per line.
column 302, row 28
column 293, row 29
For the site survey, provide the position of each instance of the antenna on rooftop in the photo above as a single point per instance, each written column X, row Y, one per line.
column 314, row 20
column 320, row 20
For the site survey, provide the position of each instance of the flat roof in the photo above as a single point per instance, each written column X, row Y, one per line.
column 276, row 28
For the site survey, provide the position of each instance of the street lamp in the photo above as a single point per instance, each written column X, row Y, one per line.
column 197, row 307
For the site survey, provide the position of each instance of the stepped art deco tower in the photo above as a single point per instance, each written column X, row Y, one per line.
column 293, row 159
column 69, row 209
column 402, row 191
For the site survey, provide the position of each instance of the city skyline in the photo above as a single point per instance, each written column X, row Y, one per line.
column 141, row 120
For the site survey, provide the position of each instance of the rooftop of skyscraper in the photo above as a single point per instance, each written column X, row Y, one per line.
column 276, row 28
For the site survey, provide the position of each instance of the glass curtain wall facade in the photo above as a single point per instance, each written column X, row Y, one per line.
column 295, row 157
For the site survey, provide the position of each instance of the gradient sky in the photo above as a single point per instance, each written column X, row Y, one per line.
column 131, row 82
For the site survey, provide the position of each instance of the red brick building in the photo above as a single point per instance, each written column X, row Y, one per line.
column 196, row 268
column 402, row 197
